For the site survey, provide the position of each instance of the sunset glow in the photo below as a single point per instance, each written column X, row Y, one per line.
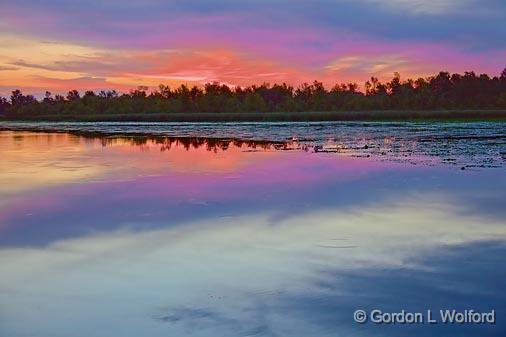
column 119, row 45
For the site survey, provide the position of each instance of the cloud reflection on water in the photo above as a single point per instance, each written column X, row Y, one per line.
column 289, row 244
column 228, row 267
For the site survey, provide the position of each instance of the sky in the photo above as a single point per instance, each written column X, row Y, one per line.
column 112, row 44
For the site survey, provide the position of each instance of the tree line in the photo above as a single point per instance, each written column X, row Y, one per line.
column 442, row 91
column 167, row 143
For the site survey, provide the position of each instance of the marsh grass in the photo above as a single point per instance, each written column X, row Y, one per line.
column 309, row 116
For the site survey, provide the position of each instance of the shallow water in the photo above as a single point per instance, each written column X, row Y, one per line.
column 149, row 236
column 478, row 144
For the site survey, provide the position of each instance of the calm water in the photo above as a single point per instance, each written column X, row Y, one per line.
column 479, row 144
column 280, row 233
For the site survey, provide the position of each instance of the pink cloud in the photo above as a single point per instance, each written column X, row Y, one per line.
column 198, row 48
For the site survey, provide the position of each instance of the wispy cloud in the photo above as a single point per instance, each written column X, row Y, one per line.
column 8, row 68
column 245, row 42
column 372, row 65
column 424, row 7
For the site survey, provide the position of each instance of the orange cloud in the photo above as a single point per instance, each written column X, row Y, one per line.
column 35, row 66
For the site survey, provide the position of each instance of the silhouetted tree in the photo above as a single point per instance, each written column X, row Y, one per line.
column 48, row 98
column 443, row 91
column 503, row 75
column 4, row 104
column 18, row 99
column 73, row 95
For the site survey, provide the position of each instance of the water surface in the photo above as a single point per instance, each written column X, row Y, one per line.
column 476, row 144
column 135, row 235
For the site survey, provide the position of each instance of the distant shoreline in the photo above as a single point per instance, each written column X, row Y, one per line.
column 314, row 116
